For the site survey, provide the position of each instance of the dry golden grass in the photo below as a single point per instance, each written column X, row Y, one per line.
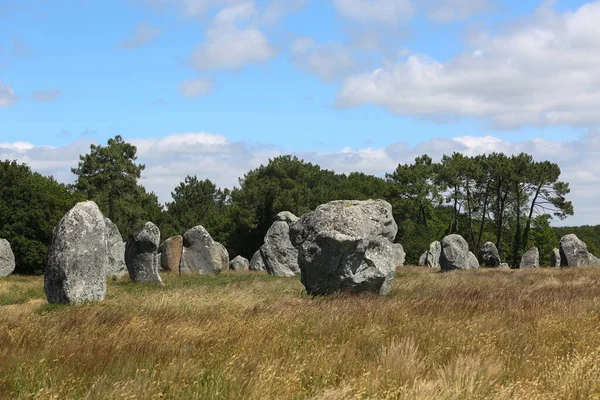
column 483, row 334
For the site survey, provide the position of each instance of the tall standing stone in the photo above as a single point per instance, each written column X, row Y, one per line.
column 141, row 254
column 201, row 254
column 555, row 258
column 77, row 257
column 489, row 255
column 7, row 259
column 399, row 255
column 455, row 253
column 346, row 246
column 170, row 254
column 530, row 259
column 257, row 263
column 573, row 252
column 116, row 251
column 431, row 258
column 279, row 255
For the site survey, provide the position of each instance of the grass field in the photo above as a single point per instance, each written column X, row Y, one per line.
column 532, row 334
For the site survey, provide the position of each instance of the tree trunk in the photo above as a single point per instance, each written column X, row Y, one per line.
column 482, row 224
column 528, row 223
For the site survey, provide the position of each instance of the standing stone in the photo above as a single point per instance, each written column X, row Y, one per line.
column 141, row 254
column 257, row 263
column 455, row 253
column 431, row 258
column 346, row 246
column 224, row 256
column 286, row 216
column 489, row 255
column 530, row 259
column 7, row 258
column 279, row 255
column 399, row 255
column 473, row 261
column 555, row 258
column 504, row 266
column 116, row 251
column 201, row 254
column 170, row 254
column 423, row 259
column 573, row 252
column 77, row 257
column 239, row 263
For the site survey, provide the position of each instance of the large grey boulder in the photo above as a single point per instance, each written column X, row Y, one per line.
column 594, row 261
column 346, row 246
column 278, row 253
column 473, row 261
column 116, row 251
column 141, row 254
column 530, row 259
column 257, row 263
column 555, row 258
column 399, row 255
column 431, row 258
column 201, row 254
column 574, row 253
column 7, row 258
column 239, row 263
column 489, row 255
column 77, row 257
column 287, row 216
column 170, row 254
column 455, row 254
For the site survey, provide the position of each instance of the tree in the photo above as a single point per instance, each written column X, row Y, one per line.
column 548, row 195
column 413, row 188
column 108, row 175
column 196, row 202
column 30, row 207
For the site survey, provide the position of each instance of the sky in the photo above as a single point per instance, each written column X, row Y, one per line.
column 215, row 88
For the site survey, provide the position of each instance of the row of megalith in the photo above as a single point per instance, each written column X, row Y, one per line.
column 340, row 246
column 453, row 253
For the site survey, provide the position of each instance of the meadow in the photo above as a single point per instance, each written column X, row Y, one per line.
column 484, row 334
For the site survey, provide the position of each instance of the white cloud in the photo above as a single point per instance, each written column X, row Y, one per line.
column 142, row 34
column 389, row 12
column 171, row 158
column 231, row 46
column 327, row 61
column 195, row 87
column 47, row 95
column 543, row 72
column 7, row 95
column 455, row 10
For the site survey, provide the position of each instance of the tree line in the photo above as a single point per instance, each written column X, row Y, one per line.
column 509, row 200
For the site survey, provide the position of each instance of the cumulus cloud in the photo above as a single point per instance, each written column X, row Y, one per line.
column 171, row 158
column 231, row 43
column 195, row 87
column 7, row 95
column 46, row 95
column 540, row 73
column 142, row 34
column 389, row 12
column 327, row 61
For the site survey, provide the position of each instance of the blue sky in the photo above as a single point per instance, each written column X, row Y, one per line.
column 216, row 87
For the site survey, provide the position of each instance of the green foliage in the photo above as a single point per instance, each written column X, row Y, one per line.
column 108, row 175
column 30, row 206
